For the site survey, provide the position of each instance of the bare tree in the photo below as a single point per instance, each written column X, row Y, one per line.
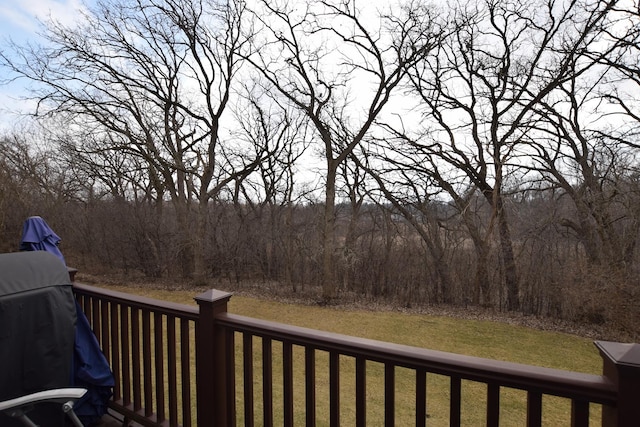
column 354, row 191
column 340, row 67
column 594, row 171
column 151, row 80
column 620, row 83
column 415, row 182
column 479, row 92
column 586, row 139
column 264, row 200
column 33, row 182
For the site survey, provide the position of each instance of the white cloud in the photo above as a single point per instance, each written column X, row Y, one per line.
column 22, row 16
column 19, row 20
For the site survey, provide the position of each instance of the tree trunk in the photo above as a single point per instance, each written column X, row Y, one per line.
column 508, row 257
column 481, row 294
column 199, row 273
column 329, row 289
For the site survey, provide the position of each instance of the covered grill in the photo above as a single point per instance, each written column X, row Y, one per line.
column 37, row 329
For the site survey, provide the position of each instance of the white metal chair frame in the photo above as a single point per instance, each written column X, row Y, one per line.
column 20, row 406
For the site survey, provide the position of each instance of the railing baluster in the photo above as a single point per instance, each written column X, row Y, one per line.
column 104, row 329
column 287, row 371
column 146, row 363
column 454, row 404
column 247, row 358
column 534, row 409
column 493, row 405
column 115, row 351
column 172, row 362
column 267, row 382
column 310, row 386
column 146, row 354
column 95, row 319
column 185, row 372
column 421, row 397
column 137, row 355
column 85, row 304
column 361, row 391
column 231, row 376
column 580, row 413
column 158, row 340
column 126, row 354
column 334, row 389
column 389, row 395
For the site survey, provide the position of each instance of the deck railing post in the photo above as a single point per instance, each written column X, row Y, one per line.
column 621, row 365
column 211, row 361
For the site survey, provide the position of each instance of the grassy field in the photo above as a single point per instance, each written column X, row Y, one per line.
column 480, row 338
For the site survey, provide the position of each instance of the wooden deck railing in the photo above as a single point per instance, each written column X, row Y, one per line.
column 151, row 347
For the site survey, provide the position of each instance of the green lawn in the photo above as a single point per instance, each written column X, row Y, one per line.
column 471, row 337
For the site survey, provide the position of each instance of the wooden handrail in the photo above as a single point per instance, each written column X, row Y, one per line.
column 594, row 388
column 133, row 328
column 140, row 302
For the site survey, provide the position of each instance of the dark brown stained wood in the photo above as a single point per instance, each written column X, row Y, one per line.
column 310, row 386
column 247, row 362
column 172, row 370
column 334, row 389
column 115, row 350
column 136, row 355
column 125, row 347
column 421, row 397
column 287, row 370
column 267, row 382
column 140, row 338
column 389, row 395
column 454, row 401
column 534, row 409
column 361, row 392
column 580, row 413
column 185, row 371
column 493, row 405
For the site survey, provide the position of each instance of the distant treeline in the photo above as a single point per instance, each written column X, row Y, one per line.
column 379, row 254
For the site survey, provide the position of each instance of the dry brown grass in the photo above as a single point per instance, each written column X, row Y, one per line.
column 474, row 332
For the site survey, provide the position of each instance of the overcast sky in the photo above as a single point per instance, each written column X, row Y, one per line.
column 19, row 22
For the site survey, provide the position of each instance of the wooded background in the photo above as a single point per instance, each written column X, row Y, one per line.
column 479, row 154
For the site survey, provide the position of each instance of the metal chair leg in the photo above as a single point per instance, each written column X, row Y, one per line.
column 67, row 408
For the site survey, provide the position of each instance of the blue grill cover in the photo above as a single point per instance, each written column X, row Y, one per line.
column 38, row 236
column 90, row 369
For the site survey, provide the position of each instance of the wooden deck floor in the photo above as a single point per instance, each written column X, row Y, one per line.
column 112, row 419
column 108, row 421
